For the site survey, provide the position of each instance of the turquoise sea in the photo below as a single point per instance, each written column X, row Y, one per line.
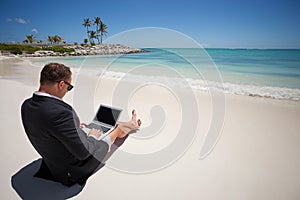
column 253, row 72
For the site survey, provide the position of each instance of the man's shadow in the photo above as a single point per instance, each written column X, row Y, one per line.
column 29, row 187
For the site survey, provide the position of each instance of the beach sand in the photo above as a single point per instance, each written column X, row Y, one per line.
column 256, row 156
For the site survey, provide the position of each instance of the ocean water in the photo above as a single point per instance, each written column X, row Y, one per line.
column 253, row 72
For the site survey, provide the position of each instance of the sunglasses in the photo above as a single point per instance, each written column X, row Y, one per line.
column 70, row 87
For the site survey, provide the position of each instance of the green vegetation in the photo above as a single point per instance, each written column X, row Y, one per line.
column 19, row 48
column 58, row 49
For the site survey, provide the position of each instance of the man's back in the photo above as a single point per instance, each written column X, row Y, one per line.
column 53, row 129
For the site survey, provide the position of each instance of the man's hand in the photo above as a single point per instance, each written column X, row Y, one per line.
column 95, row 133
column 82, row 125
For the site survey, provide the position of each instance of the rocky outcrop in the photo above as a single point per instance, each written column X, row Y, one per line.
column 84, row 50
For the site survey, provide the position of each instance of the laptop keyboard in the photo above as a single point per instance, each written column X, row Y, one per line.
column 96, row 126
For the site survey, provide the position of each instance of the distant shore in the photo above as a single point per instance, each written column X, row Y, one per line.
column 77, row 50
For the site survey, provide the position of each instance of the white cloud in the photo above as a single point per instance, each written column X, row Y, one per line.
column 21, row 21
column 35, row 31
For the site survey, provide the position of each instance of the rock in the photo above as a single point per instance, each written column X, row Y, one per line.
column 100, row 49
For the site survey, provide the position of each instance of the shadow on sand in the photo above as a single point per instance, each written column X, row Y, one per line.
column 29, row 187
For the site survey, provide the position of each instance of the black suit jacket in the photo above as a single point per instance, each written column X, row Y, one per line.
column 52, row 127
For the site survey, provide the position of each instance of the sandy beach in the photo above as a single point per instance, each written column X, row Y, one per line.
column 256, row 156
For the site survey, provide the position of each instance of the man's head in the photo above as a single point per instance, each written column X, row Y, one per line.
column 56, row 79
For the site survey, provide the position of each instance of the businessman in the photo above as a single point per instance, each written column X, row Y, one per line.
column 69, row 154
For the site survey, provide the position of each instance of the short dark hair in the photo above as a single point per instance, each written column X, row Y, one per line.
column 54, row 72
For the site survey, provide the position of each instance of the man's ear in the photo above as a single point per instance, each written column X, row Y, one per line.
column 60, row 85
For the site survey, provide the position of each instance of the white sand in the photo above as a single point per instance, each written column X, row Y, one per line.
column 256, row 157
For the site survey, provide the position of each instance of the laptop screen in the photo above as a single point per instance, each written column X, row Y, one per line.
column 108, row 115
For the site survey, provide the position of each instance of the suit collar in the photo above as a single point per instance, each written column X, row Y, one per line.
column 46, row 95
column 38, row 97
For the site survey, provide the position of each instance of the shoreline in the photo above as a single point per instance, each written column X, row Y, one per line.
column 16, row 62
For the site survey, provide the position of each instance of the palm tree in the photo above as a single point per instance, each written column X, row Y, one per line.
column 50, row 39
column 57, row 39
column 30, row 38
column 93, row 35
column 97, row 22
column 87, row 23
column 103, row 30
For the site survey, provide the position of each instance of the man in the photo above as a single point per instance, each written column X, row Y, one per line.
column 69, row 154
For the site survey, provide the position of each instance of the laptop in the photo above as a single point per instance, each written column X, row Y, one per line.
column 105, row 120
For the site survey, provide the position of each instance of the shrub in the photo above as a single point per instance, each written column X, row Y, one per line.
column 16, row 50
column 59, row 49
column 19, row 49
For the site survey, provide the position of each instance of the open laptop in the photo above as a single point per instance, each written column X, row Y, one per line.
column 105, row 120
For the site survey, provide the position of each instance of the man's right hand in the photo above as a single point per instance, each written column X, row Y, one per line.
column 95, row 133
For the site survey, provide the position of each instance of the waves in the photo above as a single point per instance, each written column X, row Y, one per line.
column 263, row 91
column 203, row 85
column 262, row 73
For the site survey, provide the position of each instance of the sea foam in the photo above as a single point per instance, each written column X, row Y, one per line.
column 203, row 85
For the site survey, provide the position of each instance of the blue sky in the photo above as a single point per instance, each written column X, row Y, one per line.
column 212, row 23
